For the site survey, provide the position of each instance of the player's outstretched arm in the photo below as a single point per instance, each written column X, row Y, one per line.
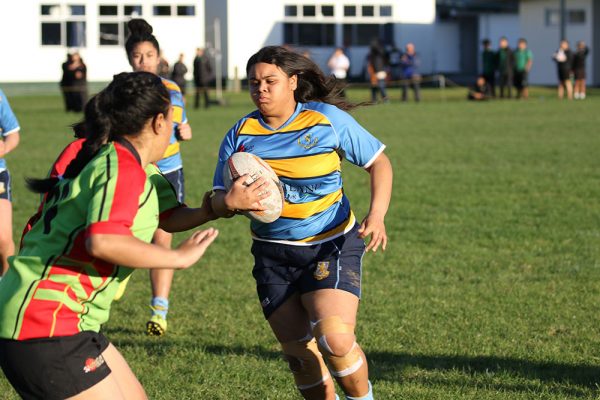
column 240, row 197
column 184, row 218
column 381, row 193
column 134, row 253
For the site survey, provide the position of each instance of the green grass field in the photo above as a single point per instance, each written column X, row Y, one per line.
column 489, row 288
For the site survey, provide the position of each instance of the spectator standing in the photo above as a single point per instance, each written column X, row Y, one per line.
column 489, row 60
column 410, row 72
column 178, row 74
column 78, row 90
column 523, row 63
column 376, row 68
column 564, row 63
column 66, row 83
column 505, row 67
column 339, row 64
column 203, row 73
column 579, row 69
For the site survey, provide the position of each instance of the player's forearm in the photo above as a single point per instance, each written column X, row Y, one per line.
column 185, row 218
column 219, row 205
column 381, row 185
column 11, row 142
column 132, row 252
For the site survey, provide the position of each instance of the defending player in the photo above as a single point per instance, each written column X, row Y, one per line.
column 143, row 53
column 100, row 214
column 9, row 140
column 307, row 264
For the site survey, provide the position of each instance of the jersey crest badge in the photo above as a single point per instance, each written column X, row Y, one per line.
column 322, row 270
column 307, row 142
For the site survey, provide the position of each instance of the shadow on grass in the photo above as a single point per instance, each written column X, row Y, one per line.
column 575, row 380
column 568, row 379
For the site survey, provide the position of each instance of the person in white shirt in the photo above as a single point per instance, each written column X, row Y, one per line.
column 339, row 64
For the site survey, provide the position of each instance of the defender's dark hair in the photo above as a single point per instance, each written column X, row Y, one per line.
column 139, row 31
column 313, row 85
column 120, row 110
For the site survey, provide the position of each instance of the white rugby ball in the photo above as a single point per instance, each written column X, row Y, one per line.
column 243, row 163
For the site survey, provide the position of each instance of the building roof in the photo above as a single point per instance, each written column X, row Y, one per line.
column 477, row 6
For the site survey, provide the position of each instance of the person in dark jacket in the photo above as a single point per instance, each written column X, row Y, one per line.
column 579, row 69
column 203, row 73
column 376, row 68
column 564, row 63
column 66, row 83
column 178, row 74
column 505, row 67
column 489, row 60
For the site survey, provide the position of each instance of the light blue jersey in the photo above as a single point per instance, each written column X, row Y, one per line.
column 8, row 123
column 171, row 160
column 306, row 153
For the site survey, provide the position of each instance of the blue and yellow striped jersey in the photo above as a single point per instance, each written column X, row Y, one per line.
column 172, row 159
column 8, row 123
column 306, row 153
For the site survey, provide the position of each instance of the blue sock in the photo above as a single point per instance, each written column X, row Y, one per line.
column 160, row 306
column 368, row 396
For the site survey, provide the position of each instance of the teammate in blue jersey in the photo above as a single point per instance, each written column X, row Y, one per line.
column 307, row 264
column 9, row 140
column 143, row 52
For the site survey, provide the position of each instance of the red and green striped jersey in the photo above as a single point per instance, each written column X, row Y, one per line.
column 53, row 286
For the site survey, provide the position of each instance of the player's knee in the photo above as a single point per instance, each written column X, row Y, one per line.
column 306, row 363
column 338, row 345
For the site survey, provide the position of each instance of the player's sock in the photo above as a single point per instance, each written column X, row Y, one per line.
column 582, row 96
column 160, row 306
column 368, row 396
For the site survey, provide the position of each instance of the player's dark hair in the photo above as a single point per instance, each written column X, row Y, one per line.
column 313, row 85
column 120, row 110
column 486, row 42
column 139, row 31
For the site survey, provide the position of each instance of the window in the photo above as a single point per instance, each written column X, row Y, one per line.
column 309, row 34
column 53, row 9
column 327, row 11
column 108, row 10
column 368, row 11
column 291, row 11
column 576, row 17
column 349, row 11
column 109, row 33
column 63, row 25
column 162, row 10
column 76, row 10
column 133, row 11
column 309, row 11
column 186, row 11
column 573, row 17
column 363, row 34
column 51, row 33
column 385, row 11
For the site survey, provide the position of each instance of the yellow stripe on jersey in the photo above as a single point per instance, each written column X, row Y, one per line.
column 171, row 150
column 171, row 86
column 306, row 167
column 304, row 120
column 306, row 210
column 177, row 114
column 341, row 228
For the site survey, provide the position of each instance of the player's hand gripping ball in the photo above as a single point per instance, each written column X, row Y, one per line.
column 243, row 163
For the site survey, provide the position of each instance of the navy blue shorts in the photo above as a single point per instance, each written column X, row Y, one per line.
column 54, row 368
column 176, row 180
column 5, row 179
column 281, row 270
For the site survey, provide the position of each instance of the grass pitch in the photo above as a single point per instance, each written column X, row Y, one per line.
column 489, row 288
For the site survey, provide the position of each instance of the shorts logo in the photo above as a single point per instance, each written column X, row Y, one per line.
column 307, row 141
column 322, row 270
column 92, row 364
column 265, row 302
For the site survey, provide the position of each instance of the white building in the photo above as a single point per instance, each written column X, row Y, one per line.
column 540, row 24
column 37, row 34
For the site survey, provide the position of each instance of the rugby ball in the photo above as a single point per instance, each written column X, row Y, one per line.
column 243, row 163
